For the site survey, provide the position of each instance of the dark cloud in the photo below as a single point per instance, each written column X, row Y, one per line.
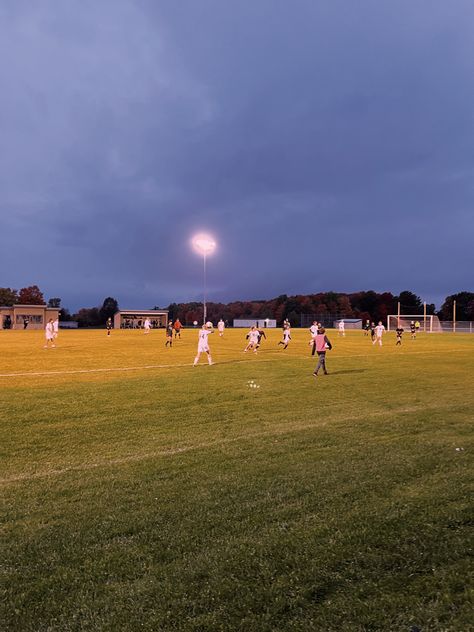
column 327, row 146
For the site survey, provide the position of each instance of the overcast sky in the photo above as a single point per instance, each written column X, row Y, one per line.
column 326, row 144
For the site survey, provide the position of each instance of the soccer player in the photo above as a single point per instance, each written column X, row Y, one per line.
column 221, row 327
column 261, row 334
column 372, row 332
column 56, row 327
column 417, row 326
column 341, row 328
column 203, row 344
column 108, row 325
column 177, row 328
column 399, row 331
column 366, row 327
column 413, row 330
column 379, row 333
column 49, row 333
column 286, row 337
column 313, row 330
column 169, row 334
column 321, row 344
column 252, row 338
column 147, row 325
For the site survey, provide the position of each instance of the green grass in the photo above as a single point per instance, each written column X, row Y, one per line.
column 167, row 497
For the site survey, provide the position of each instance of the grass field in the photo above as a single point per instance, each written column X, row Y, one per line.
column 141, row 493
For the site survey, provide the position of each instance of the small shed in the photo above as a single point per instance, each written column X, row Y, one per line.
column 134, row 318
column 262, row 323
column 349, row 323
column 26, row 316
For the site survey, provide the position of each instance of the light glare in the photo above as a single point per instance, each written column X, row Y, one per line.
column 203, row 244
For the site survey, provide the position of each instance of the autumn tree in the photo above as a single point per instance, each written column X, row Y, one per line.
column 31, row 295
column 55, row 303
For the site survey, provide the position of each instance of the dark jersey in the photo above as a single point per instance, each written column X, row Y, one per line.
column 412, row 328
column 399, row 331
column 261, row 334
column 169, row 330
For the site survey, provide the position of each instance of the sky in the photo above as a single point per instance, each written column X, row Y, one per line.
column 326, row 145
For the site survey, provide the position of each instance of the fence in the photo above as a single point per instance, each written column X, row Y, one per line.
column 459, row 326
column 326, row 320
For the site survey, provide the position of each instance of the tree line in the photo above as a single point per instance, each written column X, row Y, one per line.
column 365, row 305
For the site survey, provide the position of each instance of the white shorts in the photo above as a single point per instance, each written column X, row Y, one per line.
column 203, row 349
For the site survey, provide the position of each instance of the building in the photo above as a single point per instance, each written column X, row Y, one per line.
column 134, row 318
column 255, row 322
column 33, row 316
column 349, row 323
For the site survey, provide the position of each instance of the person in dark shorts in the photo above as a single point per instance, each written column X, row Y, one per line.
column 321, row 344
column 413, row 330
column 108, row 326
column 399, row 331
column 261, row 334
column 169, row 334
column 366, row 327
column 177, row 328
column 372, row 331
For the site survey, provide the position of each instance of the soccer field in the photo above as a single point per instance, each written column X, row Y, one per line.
column 141, row 493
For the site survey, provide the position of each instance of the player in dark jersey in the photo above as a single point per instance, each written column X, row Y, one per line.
column 372, row 331
column 366, row 328
column 261, row 334
column 108, row 325
column 399, row 331
column 413, row 330
column 169, row 334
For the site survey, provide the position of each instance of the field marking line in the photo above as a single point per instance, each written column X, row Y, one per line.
column 134, row 458
column 189, row 364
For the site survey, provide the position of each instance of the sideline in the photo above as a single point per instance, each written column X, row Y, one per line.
column 190, row 365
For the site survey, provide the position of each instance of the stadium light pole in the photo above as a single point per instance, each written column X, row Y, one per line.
column 205, row 245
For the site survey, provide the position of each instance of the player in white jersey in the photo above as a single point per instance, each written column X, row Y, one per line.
column 286, row 338
column 379, row 333
column 55, row 328
column 221, row 327
column 253, row 337
column 49, row 333
column 313, row 330
column 341, row 328
column 147, row 325
column 203, row 344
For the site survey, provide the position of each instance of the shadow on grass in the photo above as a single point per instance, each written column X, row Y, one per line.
column 346, row 371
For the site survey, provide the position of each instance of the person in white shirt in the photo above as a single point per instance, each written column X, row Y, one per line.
column 341, row 328
column 313, row 330
column 147, row 325
column 379, row 333
column 49, row 333
column 203, row 344
column 252, row 337
column 56, row 328
column 221, row 327
column 286, row 338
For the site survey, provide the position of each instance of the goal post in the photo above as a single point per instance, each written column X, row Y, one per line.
column 428, row 322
